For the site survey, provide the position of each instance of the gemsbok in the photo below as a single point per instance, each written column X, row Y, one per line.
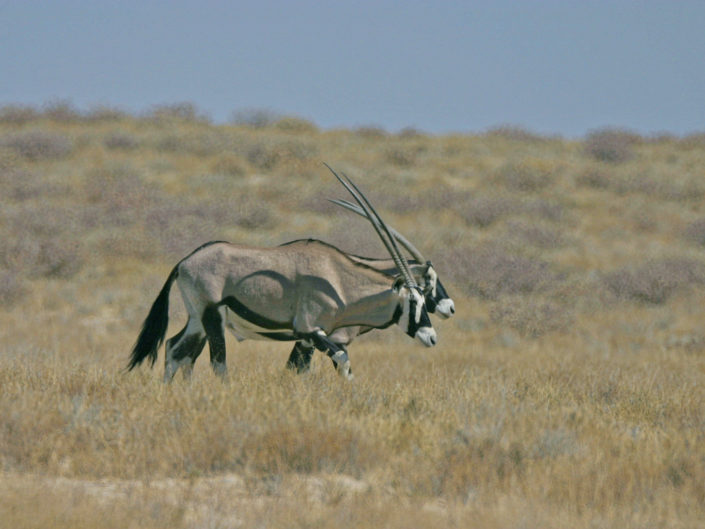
column 302, row 292
column 436, row 297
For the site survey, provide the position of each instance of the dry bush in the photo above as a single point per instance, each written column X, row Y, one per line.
column 516, row 133
column 102, row 113
column 178, row 226
column 296, row 125
column 263, row 157
column 401, row 155
column 31, row 256
column 532, row 316
column 62, row 111
column 596, row 178
column 116, row 195
column 548, row 210
column 348, row 235
column 229, row 164
column 184, row 111
column 538, row 235
column 483, row 211
column 41, row 242
column 408, row 133
column 19, row 185
column 371, row 132
column 17, row 114
column 257, row 118
column 35, row 145
column 491, row 271
column 694, row 141
column 611, row 145
column 203, row 143
column 121, row 141
column 528, row 176
column 655, row 281
column 12, row 287
column 267, row 155
column 655, row 185
column 695, row 232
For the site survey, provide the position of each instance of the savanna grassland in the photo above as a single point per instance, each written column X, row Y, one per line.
column 567, row 391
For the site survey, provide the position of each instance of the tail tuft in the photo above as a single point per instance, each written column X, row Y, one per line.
column 154, row 327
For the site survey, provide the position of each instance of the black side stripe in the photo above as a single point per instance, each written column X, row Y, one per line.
column 280, row 336
column 249, row 315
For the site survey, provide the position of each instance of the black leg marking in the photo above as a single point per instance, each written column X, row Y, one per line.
column 335, row 351
column 213, row 325
column 345, row 350
column 300, row 357
column 197, row 349
column 190, row 346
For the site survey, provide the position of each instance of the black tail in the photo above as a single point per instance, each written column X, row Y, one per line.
column 154, row 327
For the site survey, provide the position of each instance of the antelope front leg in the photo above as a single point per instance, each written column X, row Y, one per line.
column 300, row 357
column 335, row 351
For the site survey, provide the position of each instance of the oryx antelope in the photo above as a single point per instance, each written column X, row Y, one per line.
column 297, row 292
column 436, row 297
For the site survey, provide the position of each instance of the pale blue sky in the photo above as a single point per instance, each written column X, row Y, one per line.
column 554, row 67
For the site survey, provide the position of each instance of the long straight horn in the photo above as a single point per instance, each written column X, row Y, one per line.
column 379, row 226
column 413, row 251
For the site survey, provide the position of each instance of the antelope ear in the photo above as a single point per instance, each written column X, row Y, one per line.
column 398, row 284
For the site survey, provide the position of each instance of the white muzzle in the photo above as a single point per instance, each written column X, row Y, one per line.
column 427, row 336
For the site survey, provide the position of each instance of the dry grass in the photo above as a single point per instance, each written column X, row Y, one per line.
column 566, row 392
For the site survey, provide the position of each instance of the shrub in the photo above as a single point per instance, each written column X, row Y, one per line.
column 594, row 178
column 611, row 145
column 17, row 114
column 656, row 280
column 120, row 141
column 229, row 164
column 38, row 145
column 529, row 175
column 491, row 271
column 105, row 113
column 401, row 155
column 266, row 155
column 694, row 141
column 62, row 112
column 20, row 185
column 257, row 118
column 537, row 235
column 263, row 156
column 184, row 111
column 484, row 211
column 371, row 132
column 116, row 195
column 12, row 288
column 205, row 143
column 411, row 133
column 515, row 133
column 530, row 316
column 695, row 232
column 41, row 255
column 59, row 258
column 296, row 125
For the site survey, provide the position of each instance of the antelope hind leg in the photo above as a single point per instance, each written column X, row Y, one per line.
column 182, row 350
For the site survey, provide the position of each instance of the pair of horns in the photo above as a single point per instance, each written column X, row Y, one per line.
column 380, row 227
column 413, row 251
